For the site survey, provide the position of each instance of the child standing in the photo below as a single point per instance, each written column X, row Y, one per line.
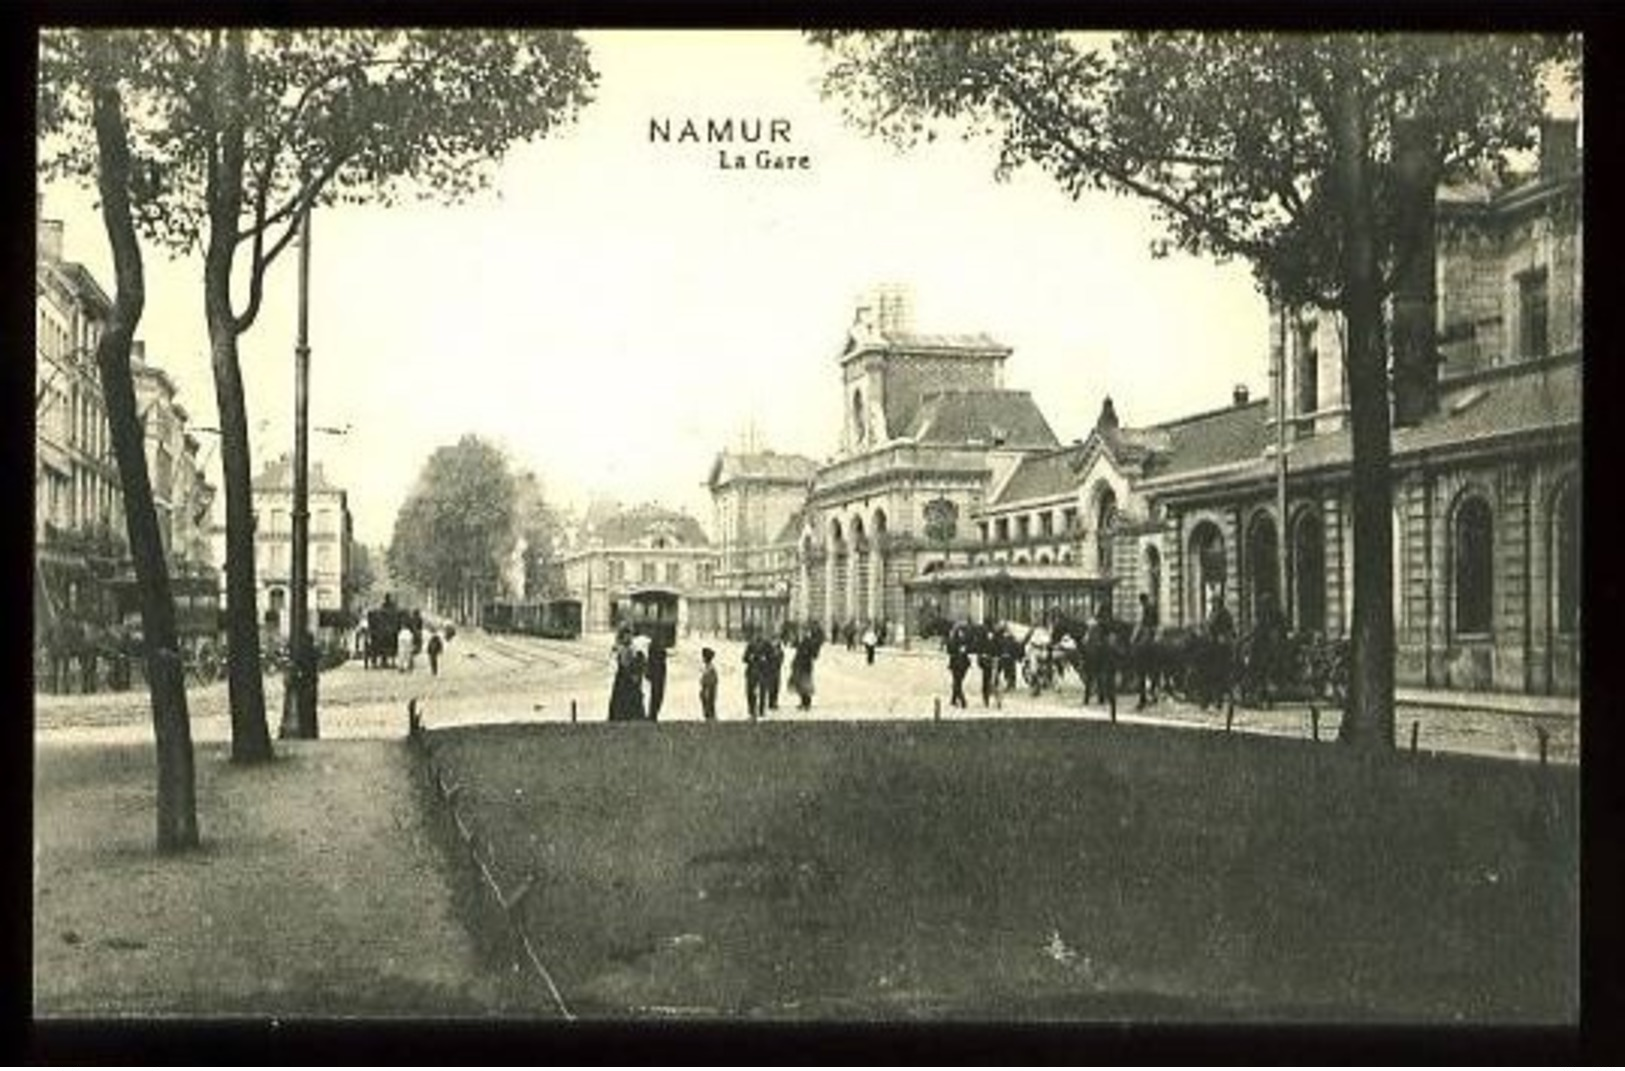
column 708, row 684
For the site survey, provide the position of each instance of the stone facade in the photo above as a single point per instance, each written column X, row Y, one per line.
column 1486, row 482
column 330, row 546
column 928, row 428
column 79, row 523
column 645, row 549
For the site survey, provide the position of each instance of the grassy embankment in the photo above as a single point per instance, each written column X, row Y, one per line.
column 1027, row 870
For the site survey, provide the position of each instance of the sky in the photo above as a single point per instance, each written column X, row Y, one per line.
column 614, row 312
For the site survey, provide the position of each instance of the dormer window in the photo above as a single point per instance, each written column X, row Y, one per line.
column 1532, row 309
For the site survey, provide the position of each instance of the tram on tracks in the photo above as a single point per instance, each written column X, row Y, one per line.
column 650, row 612
column 554, row 619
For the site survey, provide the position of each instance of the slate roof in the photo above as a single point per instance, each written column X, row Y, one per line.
column 1208, row 440
column 635, row 525
column 1472, row 410
column 763, row 465
column 1045, row 475
column 959, row 417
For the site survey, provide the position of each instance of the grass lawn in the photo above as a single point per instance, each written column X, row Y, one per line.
column 1025, row 870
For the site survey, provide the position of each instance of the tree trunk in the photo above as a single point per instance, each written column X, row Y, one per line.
column 250, row 735
column 1368, row 722
column 177, row 795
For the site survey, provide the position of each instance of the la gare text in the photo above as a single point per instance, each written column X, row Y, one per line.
column 734, row 138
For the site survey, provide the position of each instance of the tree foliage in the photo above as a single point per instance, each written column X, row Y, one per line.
column 459, row 525
column 1277, row 148
column 540, row 530
column 235, row 134
column 1228, row 136
column 92, row 68
column 318, row 117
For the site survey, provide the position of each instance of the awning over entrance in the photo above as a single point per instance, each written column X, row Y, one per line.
column 999, row 591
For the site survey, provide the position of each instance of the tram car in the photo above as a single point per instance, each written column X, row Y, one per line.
column 553, row 619
column 651, row 612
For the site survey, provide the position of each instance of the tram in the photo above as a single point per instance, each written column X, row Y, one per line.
column 554, row 619
column 651, row 612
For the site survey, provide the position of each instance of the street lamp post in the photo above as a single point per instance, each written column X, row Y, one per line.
column 299, row 693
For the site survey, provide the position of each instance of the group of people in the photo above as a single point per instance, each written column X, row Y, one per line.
column 1094, row 651
column 996, row 652
column 639, row 660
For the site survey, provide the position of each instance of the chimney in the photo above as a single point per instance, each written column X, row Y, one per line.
column 1413, row 327
column 1559, row 149
column 894, row 307
column 48, row 235
column 1239, row 394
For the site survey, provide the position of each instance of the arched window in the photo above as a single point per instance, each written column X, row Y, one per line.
column 1153, row 574
column 1566, row 560
column 1473, row 576
column 860, row 428
column 1309, row 572
column 1207, row 570
column 1105, row 522
column 1263, row 563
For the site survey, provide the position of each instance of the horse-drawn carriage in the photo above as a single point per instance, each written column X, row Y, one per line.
column 1257, row 668
column 379, row 634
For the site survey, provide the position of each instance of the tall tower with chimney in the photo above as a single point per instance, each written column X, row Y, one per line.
column 888, row 368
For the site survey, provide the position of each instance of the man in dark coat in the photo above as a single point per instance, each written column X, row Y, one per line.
column 958, row 665
column 987, row 660
column 755, row 667
column 772, row 671
column 655, row 672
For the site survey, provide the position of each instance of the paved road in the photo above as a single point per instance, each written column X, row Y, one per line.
column 517, row 678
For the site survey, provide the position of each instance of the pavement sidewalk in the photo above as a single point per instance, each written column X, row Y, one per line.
column 318, row 891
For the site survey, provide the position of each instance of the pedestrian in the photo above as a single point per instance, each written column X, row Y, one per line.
column 626, row 693
column 801, row 668
column 434, row 647
column 958, row 666
column 754, row 667
column 772, row 670
column 1143, row 651
column 404, row 648
column 869, row 641
column 1009, row 655
column 987, row 661
column 656, row 672
column 708, row 684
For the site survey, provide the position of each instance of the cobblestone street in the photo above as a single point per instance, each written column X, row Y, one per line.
column 517, row 678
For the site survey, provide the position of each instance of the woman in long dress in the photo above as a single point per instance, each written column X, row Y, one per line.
column 626, row 694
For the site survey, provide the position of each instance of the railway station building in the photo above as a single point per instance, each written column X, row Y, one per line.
column 928, row 426
column 648, row 554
